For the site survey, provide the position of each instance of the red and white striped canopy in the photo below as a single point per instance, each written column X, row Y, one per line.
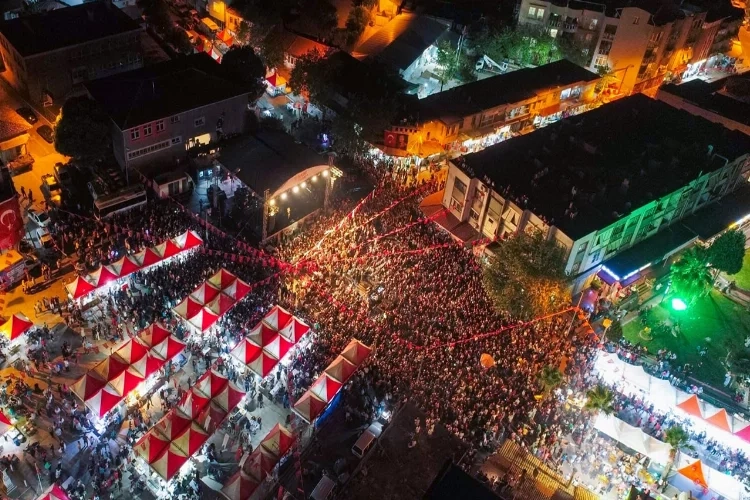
column 277, row 317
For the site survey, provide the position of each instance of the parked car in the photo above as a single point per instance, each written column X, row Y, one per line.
column 51, row 189
column 64, row 176
column 367, row 439
column 44, row 237
column 40, row 218
column 46, row 132
column 27, row 114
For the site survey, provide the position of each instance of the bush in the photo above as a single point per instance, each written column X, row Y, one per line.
column 614, row 332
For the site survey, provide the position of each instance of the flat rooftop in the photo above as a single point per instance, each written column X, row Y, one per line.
column 583, row 173
column 162, row 90
column 60, row 28
column 728, row 97
column 516, row 86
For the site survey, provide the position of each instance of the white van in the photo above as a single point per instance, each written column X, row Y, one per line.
column 324, row 489
column 366, row 440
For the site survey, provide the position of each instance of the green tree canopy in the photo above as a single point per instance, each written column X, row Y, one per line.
column 180, row 40
column 549, row 378
column 678, row 439
column 523, row 45
column 356, row 23
column 526, row 276
column 600, row 400
column 691, row 276
column 727, row 252
column 244, row 66
column 317, row 18
column 82, row 130
column 243, row 32
column 310, row 76
column 614, row 332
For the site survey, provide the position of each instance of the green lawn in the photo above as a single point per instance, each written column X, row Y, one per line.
column 715, row 317
column 743, row 277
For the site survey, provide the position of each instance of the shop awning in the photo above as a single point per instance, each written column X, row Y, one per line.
column 649, row 251
column 14, row 142
column 606, row 277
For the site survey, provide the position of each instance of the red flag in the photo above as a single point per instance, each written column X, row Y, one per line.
column 11, row 223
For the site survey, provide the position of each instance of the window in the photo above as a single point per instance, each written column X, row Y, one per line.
column 553, row 32
column 160, row 126
column 147, row 130
column 600, row 61
column 456, row 205
column 199, row 122
column 176, row 140
column 636, row 20
column 135, row 134
column 174, row 119
column 536, row 12
column 474, row 215
column 592, row 25
column 148, row 150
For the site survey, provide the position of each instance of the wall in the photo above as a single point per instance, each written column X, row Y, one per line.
column 680, row 103
column 233, row 112
column 629, row 45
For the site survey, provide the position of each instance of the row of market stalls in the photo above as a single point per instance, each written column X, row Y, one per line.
column 690, row 468
column 211, row 300
column 731, row 430
column 315, row 400
column 83, row 285
column 128, row 370
column 259, row 464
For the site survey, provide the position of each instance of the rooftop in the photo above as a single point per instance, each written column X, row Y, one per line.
column 420, row 33
column 164, row 89
column 728, row 97
column 9, row 130
column 663, row 11
column 452, row 482
column 585, row 172
column 512, row 87
column 60, row 28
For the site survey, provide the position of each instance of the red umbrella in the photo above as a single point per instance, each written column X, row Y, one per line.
column 151, row 445
column 309, row 407
column 222, row 279
column 325, row 388
column 246, row 351
column 17, row 325
column 294, row 330
column 79, row 287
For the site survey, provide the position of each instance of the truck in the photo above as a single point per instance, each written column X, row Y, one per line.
column 12, row 269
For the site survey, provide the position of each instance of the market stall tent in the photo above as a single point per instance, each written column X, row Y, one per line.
column 54, row 492
column 110, row 367
column 204, row 320
column 88, row 385
column 125, row 266
column 278, row 441
column 278, row 346
column 325, row 388
column 259, row 464
column 222, row 279
column 168, row 249
column 240, row 486
column 211, row 384
column 262, row 334
column 246, row 351
column 169, row 462
column 263, row 364
column 221, row 304
column 188, row 240
column 5, row 423
column 691, row 406
column 168, row 348
column 147, row 257
column 188, row 308
column 211, row 417
column 294, row 330
column 694, row 472
column 191, row 439
column 154, row 334
column 720, row 419
column 193, row 403
column 229, row 397
column 15, row 326
column 309, row 407
column 102, row 276
column 205, row 293
column 132, row 351
column 277, row 318
column 237, row 289
column 79, row 287
column 151, row 445
column 172, row 424
column 103, row 400
column 126, row 381
column 356, row 352
column 341, row 369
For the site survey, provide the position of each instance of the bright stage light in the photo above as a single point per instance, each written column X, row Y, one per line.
column 304, row 185
column 678, row 304
column 295, row 189
column 283, row 196
column 325, row 173
column 272, row 202
column 314, row 178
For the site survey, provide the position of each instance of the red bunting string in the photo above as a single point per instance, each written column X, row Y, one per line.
column 389, row 207
column 421, row 220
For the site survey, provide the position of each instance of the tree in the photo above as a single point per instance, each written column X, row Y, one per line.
column 600, row 400
column 180, row 40
column 549, row 378
column 243, row 32
column 317, row 18
column 526, row 276
column 614, row 332
column 691, row 276
column 572, row 51
column 82, row 130
column 271, row 49
column 359, row 17
column 244, row 66
column 157, row 14
column 309, row 76
column 447, row 60
column 727, row 252
column 677, row 439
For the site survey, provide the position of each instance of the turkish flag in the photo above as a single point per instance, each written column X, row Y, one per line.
column 11, row 223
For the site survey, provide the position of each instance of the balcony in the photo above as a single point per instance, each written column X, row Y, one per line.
column 608, row 36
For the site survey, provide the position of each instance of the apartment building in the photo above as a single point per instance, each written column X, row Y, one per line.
column 641, row 42
column 609, row 184
column 47, row 56
column 160, row 112
column 473, row 115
